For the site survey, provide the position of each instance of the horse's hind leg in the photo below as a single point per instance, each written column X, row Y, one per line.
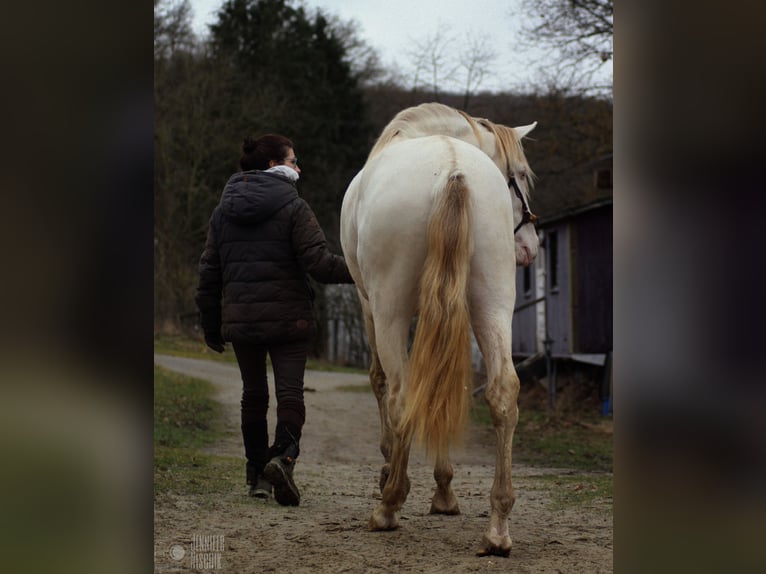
column 443, row 501
column 392, row 349
column 502, row 393
column 378, row 384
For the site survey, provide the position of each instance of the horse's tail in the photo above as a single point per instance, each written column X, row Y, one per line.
column 440, row 361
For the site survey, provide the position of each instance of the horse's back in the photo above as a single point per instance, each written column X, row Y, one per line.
column 388, row 205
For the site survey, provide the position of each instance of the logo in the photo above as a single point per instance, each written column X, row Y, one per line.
column 204, row 553
column 176, row 552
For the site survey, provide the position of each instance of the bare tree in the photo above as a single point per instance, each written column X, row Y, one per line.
column 172, row 27
column 432, row 61
column 363, row 58
column 443, row 61
column 578, row 35
column 476, row 61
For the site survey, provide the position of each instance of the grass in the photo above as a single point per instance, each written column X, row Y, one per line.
column 185, row 346
column 576, row 490
column 319, row 365
column 365, row 388
column 187, row 472
column 566, row 438
column 186, row 419
column 185, row 415
column 572, row 436
column 544, row 439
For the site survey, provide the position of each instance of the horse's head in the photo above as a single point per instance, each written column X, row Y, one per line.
column 508, row 155
column 501, row 143
column 524, row 233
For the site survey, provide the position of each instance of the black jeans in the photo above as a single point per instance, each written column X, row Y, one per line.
column 289, row 364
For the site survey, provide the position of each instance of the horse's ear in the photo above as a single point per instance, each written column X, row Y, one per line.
column 521, row 131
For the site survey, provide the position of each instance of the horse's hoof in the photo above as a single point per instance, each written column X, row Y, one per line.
column 449, row 511
column 441, row 506
column 499, row 548
column 493, row 552
column 381, row 520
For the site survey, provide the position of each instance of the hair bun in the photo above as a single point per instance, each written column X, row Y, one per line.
column 248, row 145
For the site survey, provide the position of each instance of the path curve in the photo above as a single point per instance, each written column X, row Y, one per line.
column 337, row 474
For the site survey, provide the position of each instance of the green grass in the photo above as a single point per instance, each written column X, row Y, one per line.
column 576, row 490
column 185, row 471
column 185, row 415
column 548, row 440
column 186, row 419
column 574, row 440
column 364, row 388
column 479, row 412
column 320, row 365
column 184, row 346
column 571, row 437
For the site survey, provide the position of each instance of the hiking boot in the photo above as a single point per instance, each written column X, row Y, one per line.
column 260, row 489
column 279, row 472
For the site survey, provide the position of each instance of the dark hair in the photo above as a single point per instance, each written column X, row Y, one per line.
column 256, row 153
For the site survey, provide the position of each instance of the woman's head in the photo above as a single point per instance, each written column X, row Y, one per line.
column 265, row 152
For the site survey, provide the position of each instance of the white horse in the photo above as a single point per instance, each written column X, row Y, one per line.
column 433, row 226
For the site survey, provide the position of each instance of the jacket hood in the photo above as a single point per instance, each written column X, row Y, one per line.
column 253, row 196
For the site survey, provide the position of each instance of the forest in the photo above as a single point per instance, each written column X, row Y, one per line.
column 274, row 66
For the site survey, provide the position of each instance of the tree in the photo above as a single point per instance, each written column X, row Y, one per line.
column 476, row 60
column 303, row 60
column 578, row 38
column 442, row 62
column 187, row 137
column 172, row 27
column 433, row 64
column 267, row 66
column 364, row 59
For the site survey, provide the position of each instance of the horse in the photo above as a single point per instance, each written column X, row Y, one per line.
column 433, row 227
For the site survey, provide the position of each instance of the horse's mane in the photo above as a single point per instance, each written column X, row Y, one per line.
column 510, row 148
column 438, row 119
column 425, row 120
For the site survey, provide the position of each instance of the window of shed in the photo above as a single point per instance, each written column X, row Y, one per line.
column 527, row 281
column 553, row 259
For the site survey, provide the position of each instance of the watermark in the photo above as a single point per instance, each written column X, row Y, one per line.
column 206, row 550
column 176, row 552
column 203, row 553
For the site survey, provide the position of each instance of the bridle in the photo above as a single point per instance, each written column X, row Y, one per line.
column 526, row 215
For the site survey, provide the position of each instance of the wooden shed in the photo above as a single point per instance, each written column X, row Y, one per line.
column 565, row 297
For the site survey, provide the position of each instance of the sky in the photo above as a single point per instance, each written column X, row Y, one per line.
column 391, row 27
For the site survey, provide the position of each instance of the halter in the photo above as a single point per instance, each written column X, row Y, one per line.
column 526, row 215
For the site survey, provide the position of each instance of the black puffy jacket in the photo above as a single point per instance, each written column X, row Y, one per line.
column 262, row 242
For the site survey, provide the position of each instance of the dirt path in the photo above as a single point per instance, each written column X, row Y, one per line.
column 337, row 474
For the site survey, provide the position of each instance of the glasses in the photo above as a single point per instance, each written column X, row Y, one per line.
column 292, row 160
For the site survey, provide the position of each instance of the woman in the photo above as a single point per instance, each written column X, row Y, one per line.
column 263, row 242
